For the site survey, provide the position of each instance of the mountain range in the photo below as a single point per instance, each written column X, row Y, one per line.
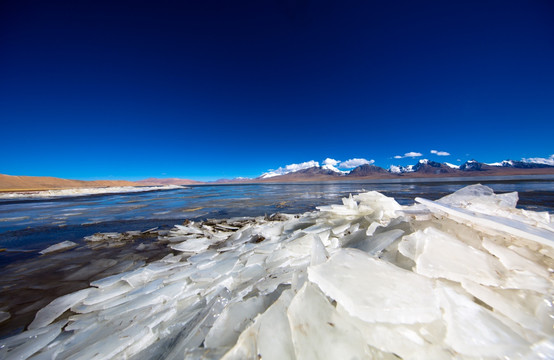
column 422, row 169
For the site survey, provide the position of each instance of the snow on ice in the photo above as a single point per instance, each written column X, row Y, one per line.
column 467, row 276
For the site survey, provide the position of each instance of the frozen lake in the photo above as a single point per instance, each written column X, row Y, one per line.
column 33, row 224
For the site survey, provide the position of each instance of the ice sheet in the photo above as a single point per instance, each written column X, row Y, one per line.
column 386, row 294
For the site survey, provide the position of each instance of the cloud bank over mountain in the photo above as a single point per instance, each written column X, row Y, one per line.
column 538, row 160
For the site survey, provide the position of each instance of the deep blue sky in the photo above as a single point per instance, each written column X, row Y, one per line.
column 212, row 89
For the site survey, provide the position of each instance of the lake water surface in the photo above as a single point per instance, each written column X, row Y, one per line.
column 31, row 223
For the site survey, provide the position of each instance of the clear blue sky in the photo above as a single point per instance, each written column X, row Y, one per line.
column 219, row 89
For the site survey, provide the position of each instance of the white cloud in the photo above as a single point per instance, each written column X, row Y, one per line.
column 440, row 153
column 291, row 168
column 545, row 161
column 411, row 154
column 331, row 162
column 352, row 163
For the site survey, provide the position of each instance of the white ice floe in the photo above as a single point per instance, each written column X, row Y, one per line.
column 62, row 246
column 85, row 191
column 468, row 276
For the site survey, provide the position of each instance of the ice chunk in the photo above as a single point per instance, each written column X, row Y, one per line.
column 407, row 341
column 269, row 337
column 57, row 307
column 193, row 245
column 513, row 261
column 108, row 281
column 255, row 259
column 233, row 320
column 480, row 196
column 387, row 293
column 387, row 206
column 138, row 277
column 24, row 345
column 472, row 330
column 494, row 223
column 318, row 332
column 100, row 295
column 190, row 229
column 411, row 245
column 319, row 254
column 215, row 270
column 444, row 256
column 377, row 243
column 516, row 305
column 340, row 228
column 543, row 350
column 62, row 246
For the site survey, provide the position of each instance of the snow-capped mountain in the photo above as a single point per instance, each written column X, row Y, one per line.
column 474, row 165
column 432, row 167
column 396, row 169
column 312, row 170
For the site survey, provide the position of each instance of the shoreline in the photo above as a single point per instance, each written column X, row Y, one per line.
column 400, row 179
column 15, row 184
column 83, row 191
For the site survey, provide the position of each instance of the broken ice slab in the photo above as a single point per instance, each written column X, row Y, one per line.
column 520, row 306
column 386, row 294
column 193, row 245
column 377, row 243
column 443, row 256
column 319, row 254
column 472, row 330
column 190, row 229
column 233, row 320
column 494, row 224
column 57, row 307
column 108, row 236
column 24, row 345
column 217, row 269
column 96, row 296
column 480, row 196
column 387, row 206
column 513, row 261
column 62, row 246
column 414, row 341
column 269, row 337
column 319, row 332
